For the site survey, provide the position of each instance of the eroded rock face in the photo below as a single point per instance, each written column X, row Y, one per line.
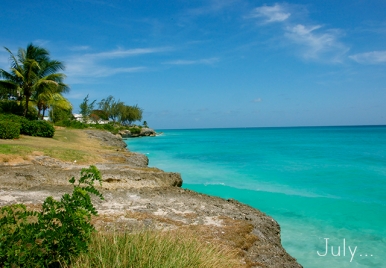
column 253, row 233
column 107, row 138
column 125, row 133
column 147, row 132
column 45, row 171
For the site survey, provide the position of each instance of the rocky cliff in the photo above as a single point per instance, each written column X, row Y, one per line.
column 136, row 195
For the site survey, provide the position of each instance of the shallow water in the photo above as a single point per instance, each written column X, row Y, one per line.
column 324, row 185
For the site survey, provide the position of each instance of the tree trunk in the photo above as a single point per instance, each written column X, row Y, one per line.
column 44, row 111
column 26, row 105
column 39, row 110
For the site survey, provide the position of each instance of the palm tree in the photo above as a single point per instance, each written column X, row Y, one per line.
column 57, row 102
column 50, row 98
column 32, row 71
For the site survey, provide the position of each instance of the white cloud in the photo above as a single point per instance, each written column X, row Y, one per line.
column 83, row 68
column 315, row 41
column 212, row 6
column 191, row 62
column 41, row 42
column 79, row 48
column 257, row 100
column 122, row 53
column 373, row 57
column 276, row 13
column 93, row 64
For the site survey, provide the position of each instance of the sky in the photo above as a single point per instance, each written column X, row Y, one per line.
column 215, row 63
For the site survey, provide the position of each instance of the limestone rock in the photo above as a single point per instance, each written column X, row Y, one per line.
column 147, row 132
column 125, row 133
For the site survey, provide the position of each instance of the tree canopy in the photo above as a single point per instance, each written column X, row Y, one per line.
column 33, row 76
column 118, row 111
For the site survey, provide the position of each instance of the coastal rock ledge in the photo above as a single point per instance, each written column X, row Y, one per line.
column 145, row 132
column 137, row 195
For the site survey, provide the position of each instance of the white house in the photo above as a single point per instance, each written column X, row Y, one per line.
column 79, row 118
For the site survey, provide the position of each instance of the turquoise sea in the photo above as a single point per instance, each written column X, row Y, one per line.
column 326, row 186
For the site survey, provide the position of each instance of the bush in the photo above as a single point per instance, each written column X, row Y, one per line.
column 11, row 106
column 72, row 124
column 107, row 127
column 135, row 130
column 9, row 130
column 61, row 231
column 58, row 114
column 38, row 128
column 13, row 118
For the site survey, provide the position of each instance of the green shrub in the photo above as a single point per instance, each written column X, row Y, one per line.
column 14, row 107
column 13, row 118
column 11, row 106
column 108, row 127
column 58, row 114
column 72, row 124
column 9, row 130
column 61, row 231
column 38, row 128
column 135, row 130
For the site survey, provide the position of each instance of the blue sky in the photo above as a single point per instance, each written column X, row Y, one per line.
column 215, row 63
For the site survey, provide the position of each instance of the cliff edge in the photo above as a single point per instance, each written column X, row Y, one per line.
column 136, row 195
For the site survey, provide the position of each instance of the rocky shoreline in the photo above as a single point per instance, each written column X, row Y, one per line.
column 144, row 132
column 136, row 195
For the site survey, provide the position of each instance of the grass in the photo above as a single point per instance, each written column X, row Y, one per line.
column 154, row 249
column 66, row 145
column 67, row 154
column 14, row 149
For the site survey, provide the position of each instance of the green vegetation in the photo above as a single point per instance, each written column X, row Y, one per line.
column 111, row 108
column 153, row 249
column 33, row 77
column 66, row 154
column 121, row 116
column 72, row 124
column 15, row 150
column 9, row 130
column 118, row 111
column 86, row 109
column 57, row 114
column 61, row 231
column 37, row 128
column 135, row 130
column 66, row 145
column 34, row 85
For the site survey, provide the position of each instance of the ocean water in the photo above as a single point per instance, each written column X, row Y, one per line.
column 326, row 186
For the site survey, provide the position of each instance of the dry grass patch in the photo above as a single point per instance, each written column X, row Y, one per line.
column 154, row 249
column 67, row 145
column 14, row 159
column 234, row 234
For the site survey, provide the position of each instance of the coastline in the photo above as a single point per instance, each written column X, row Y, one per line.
column 136, row 195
